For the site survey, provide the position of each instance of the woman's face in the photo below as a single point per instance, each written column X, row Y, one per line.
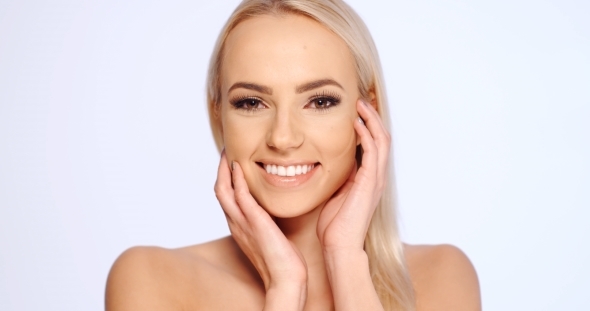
column 289, row 95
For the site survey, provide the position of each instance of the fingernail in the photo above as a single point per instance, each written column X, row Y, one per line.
column 361, row 121
column 233, row 165
column 364, row 103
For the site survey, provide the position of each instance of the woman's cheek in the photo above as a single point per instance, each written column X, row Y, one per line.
column 241, row 137
column 337, row 139
column 337, row 148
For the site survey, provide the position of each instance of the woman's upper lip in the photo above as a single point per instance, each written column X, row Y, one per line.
column 287, row 162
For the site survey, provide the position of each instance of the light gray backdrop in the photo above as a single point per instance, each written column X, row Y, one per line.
column 105, row 144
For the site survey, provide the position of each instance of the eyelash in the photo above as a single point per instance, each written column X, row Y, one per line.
column 332, row 98
column 242, row 101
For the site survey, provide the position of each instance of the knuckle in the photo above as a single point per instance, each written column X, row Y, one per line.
column 219, row 186
column 386, row 137
column 219, row 192
column 371, row 147
column 235, row 231
column 239, row 200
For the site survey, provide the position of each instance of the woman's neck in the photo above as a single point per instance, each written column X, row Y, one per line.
column 301, row 231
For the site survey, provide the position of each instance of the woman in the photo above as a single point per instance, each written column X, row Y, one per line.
column 298, row 109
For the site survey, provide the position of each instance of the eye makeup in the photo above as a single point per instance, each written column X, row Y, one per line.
column 320, row 102
column 324, row 100
column 247, row 103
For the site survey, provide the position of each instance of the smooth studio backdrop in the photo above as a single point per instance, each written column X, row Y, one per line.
column 105, row 142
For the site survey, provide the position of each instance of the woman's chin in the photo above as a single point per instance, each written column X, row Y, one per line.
column 288, row 207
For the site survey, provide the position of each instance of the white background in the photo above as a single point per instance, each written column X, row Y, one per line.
column 105, row 143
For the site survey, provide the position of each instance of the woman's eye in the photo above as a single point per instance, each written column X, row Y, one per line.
column 249, row 104
column 323, row 103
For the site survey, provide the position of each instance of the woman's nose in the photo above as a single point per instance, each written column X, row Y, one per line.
column 284, row 132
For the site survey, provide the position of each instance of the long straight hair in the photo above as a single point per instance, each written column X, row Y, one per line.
column 382, row 244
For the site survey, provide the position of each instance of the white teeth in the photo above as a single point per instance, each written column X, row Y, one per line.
column 291, row 170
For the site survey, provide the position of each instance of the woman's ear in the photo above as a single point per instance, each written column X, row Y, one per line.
column 216, row 124
column 373, row 99
column 216, row 109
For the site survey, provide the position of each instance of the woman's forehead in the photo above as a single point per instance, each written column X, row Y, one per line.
column 286, row 49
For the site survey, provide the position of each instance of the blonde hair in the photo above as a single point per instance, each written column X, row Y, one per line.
column 382, row 243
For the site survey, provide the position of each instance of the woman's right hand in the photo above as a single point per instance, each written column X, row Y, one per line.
column 279, row 263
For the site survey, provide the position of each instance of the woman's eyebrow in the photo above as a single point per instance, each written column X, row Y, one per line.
column 251, row 86
column 299, row 89
column 315, row 84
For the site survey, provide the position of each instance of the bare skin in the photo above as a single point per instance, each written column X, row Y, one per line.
column 290, row 98
column 218, row 276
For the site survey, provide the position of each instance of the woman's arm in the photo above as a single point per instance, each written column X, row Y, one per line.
column 286, row 297
column 350, row 278
column 445, row 278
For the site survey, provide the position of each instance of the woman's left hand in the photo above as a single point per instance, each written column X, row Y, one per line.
column 345, row 219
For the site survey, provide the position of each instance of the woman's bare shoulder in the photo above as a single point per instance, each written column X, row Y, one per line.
column 155, row 278
column 443, row 278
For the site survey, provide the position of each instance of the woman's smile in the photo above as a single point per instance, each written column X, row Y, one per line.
column 287, row 170
column 287, row 175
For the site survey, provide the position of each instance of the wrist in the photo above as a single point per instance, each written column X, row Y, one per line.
column 287, row 286
column 345, row 255
column 346, row 262
column 286, row 296
column 350, row 279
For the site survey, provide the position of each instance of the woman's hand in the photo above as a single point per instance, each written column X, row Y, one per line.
column 344, row 221
column 279, row 263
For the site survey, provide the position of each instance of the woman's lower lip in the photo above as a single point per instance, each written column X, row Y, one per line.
column 287, row 181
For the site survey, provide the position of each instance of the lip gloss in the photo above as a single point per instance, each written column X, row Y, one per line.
column 287, row 181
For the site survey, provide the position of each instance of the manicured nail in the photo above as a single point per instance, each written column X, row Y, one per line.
column 233, row 165
column 361, row 121
column 364, row 103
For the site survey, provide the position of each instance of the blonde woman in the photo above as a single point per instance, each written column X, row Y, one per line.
column 299, row 113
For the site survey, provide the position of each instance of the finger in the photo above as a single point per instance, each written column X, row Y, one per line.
column 374, row 123
column 372, row 119
column 223, row 172
column 381, row 137
column 264, row 230
column 368, row 169
column 248, row 205
column 224, row 191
